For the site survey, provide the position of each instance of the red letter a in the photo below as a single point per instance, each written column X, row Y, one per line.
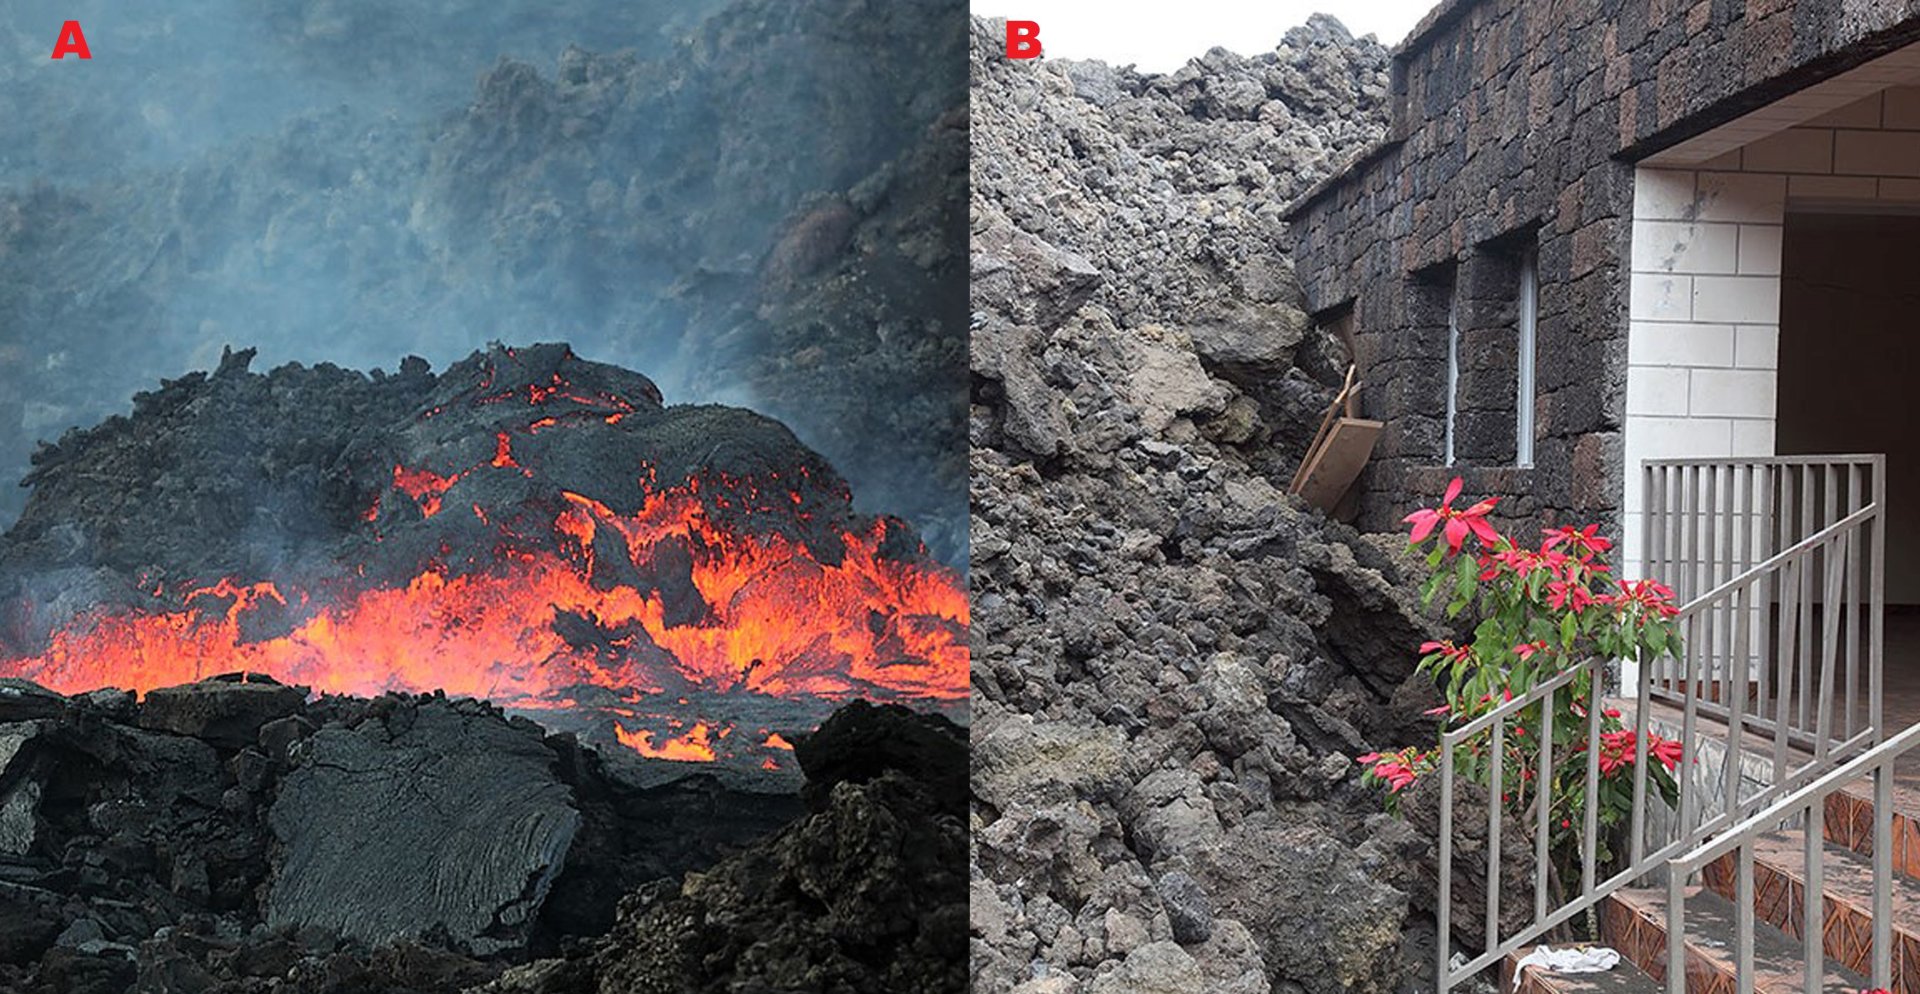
column 1023, row 39
column 71, row 41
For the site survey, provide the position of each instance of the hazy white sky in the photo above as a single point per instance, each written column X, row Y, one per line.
column 1159, row 36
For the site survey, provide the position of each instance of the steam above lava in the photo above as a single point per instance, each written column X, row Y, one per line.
column 533, row 529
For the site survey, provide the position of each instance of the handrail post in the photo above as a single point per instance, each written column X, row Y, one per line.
column 1813, row 894
column 1443, row 979
column 1877, row 593
column 1676, row 930
column 1883, row 875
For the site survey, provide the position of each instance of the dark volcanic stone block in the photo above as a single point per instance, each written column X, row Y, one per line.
column 422, row 821
column 225, row 713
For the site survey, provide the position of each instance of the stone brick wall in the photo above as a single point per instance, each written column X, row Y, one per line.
column 1516, row 123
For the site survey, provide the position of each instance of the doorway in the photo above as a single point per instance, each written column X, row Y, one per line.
column 1849, row 338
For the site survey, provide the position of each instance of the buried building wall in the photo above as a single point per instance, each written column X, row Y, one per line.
column 1513, row 128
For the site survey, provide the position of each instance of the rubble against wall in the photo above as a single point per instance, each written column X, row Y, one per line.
column 1174, row 663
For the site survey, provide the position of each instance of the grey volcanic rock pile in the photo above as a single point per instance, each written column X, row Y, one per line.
column 1174, row 664
column 863, row 894
column 231, row 836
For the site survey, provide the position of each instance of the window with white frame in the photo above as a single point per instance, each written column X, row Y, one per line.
column 1525, row 334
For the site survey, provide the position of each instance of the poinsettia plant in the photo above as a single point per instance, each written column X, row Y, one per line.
column 1539, row 609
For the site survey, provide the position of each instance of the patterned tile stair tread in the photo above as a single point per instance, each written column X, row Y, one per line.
column 1635, row 922
column 1779, row 870
column 1849, row 823
column 1622, row 979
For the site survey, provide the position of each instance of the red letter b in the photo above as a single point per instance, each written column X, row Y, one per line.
column 71, row 41
column 1023, row 39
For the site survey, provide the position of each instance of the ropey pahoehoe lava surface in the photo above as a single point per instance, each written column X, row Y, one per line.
column 527, row 527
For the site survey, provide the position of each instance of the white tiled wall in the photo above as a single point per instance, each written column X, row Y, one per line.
column 1704, row 301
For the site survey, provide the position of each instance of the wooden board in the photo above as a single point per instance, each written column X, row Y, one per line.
column 1338, row 462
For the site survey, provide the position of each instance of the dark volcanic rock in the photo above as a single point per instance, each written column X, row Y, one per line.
column 437, row 820
column 1174, row 663
column 863, row 894
column 402, row 844
column 229, row 712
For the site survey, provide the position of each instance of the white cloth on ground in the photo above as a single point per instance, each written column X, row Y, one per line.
column 1571, row 959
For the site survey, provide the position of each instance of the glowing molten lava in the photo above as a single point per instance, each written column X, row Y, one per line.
column 780, row 622
column 696, row 745
column 547, row 597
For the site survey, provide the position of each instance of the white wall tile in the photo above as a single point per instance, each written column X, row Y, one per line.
column 1657, row 390
column 1680, row 343
column 1665, row 194
column 1795, row 150
column 1741, row 197
column 1659, row 297
column 1830, row 188
column 1675, row 438
column 1680, row 247
column 1735, row 393
column 1863, row 113
column 1901, row 190
column 1728, row 161
column 1753, row 438
column 1627, row 556
column 1756, row 346
column 1737, row 299
column 1903, row 108
column 1877, row 153
column 1759, row 250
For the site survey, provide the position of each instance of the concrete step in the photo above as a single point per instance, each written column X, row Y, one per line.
column 1849, row 823
column 1623, row 979
column 1635, row 923
column 1779, row 876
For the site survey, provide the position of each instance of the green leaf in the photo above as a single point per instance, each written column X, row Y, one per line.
column 1569, row 627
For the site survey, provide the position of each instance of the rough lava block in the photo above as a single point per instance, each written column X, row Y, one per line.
column 434, row 822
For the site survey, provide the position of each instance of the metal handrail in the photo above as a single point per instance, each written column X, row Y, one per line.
column 1780, row 559
column 1728, row 607
column 1810, row 800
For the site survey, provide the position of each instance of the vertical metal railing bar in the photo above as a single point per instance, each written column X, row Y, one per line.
column 1653, row 543
column 1877, row 594
column 1832, row 514
column 1443, row 975
column 1711, row 538
column 1676, row 933
column 1743, row 558
column 1813, row 894
column 1743, row 919
column 1689, row 797
column 1496, row 761
column 1856, row 499
column 1543, row 801
column 1833, row 554
column 1883, row 877
column 1762, row 531
column 1642, row 702
column 1783, row 696
column 1737, row 699
column 1688, row 551
column 1805, row 690
column 1590, row 834
column 1789, row 585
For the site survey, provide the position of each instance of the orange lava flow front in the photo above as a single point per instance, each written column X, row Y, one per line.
column 780, row 623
